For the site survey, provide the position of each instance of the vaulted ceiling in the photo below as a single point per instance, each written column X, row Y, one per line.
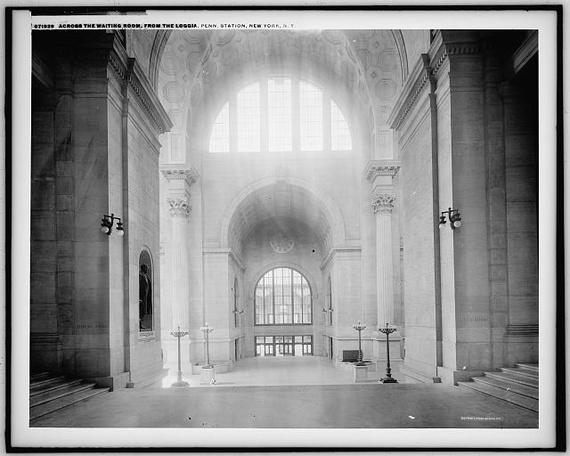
column 369, row 64
column 280, row 201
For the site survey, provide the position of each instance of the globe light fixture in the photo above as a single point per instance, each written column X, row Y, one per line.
column 107, row 225
column 454, row 218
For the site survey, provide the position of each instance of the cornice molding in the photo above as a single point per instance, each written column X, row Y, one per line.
column 525, row 51
column 224, row 251
column 413, row 87
column 140, row 85
column 339, row 250
column 427, row 68
column 129, row 72
column 179, row 206
column 42, row 72
column 383, row 202
column 377, row 168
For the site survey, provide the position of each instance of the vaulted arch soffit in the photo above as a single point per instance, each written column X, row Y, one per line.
column 273, row 198
column 196, row 69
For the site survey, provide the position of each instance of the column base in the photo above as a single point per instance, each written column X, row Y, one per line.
column 451, row 377
column 388, row 380
column 180, row 384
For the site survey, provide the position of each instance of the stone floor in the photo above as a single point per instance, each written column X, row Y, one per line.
column 292, row 393
column 307, row 370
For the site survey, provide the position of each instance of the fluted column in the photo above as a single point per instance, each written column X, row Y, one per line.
column 178, row 279
column 382, row 205
column 380, row 174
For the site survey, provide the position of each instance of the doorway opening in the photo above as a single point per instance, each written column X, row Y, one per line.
column 283, row 345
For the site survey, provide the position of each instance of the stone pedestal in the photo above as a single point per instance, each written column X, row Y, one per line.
column 360, row 373
column 208, row 374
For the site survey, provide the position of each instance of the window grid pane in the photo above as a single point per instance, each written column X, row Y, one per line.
column 283, row 345
column 311, row 117
column 340, row 133
column 278, row 115
column 220, row 137
column 280, row 134
column 248, row 119
column 283, row 296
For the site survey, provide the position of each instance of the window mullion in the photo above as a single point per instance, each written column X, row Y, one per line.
column 295, row 115
column 326, row 122
column 233, row 123
column 264, row 112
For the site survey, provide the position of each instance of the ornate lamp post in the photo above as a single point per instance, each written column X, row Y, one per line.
column 207, row 330
column 359, row 327
column 388, row 330
column 179, row 334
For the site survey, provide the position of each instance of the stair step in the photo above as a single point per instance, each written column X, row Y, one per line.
column 54, row 384
column 509, row 377
column 501, row 394
column 524, row 373
column 56, row 391
column 65, row 401
column 47, row 382
column 39, row 376
column 59, row 394
column 523, row 390
column 528, row 367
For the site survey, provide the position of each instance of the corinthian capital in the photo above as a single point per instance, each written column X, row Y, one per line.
column 383, row 202
column 179, row 207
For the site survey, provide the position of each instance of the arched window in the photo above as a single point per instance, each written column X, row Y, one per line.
column 280, row 115
column 145, row 292
column 283, row 297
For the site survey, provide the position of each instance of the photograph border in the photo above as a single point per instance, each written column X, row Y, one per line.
column 10, row 225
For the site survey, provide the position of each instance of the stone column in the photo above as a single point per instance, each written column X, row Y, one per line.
column 177, row 277
column 382, row 205
column 381, row 173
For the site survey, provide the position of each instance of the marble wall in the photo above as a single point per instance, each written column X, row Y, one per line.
column 463, row 285
column 93, row 154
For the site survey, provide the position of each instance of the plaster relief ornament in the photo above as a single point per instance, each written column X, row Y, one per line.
column 281, row 244
column 383, row 202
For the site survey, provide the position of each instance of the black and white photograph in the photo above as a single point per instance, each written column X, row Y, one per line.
column 284, row 228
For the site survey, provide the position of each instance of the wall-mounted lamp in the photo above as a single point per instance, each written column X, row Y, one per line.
column 107, row 225
column 237, row 311
column 454, row 218
column 327, row 310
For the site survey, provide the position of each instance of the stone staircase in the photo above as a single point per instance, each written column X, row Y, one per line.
column 49, row 393
column 518, row 385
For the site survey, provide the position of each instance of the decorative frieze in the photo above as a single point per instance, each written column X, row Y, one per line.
column 179, row 207
column 383, row 202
